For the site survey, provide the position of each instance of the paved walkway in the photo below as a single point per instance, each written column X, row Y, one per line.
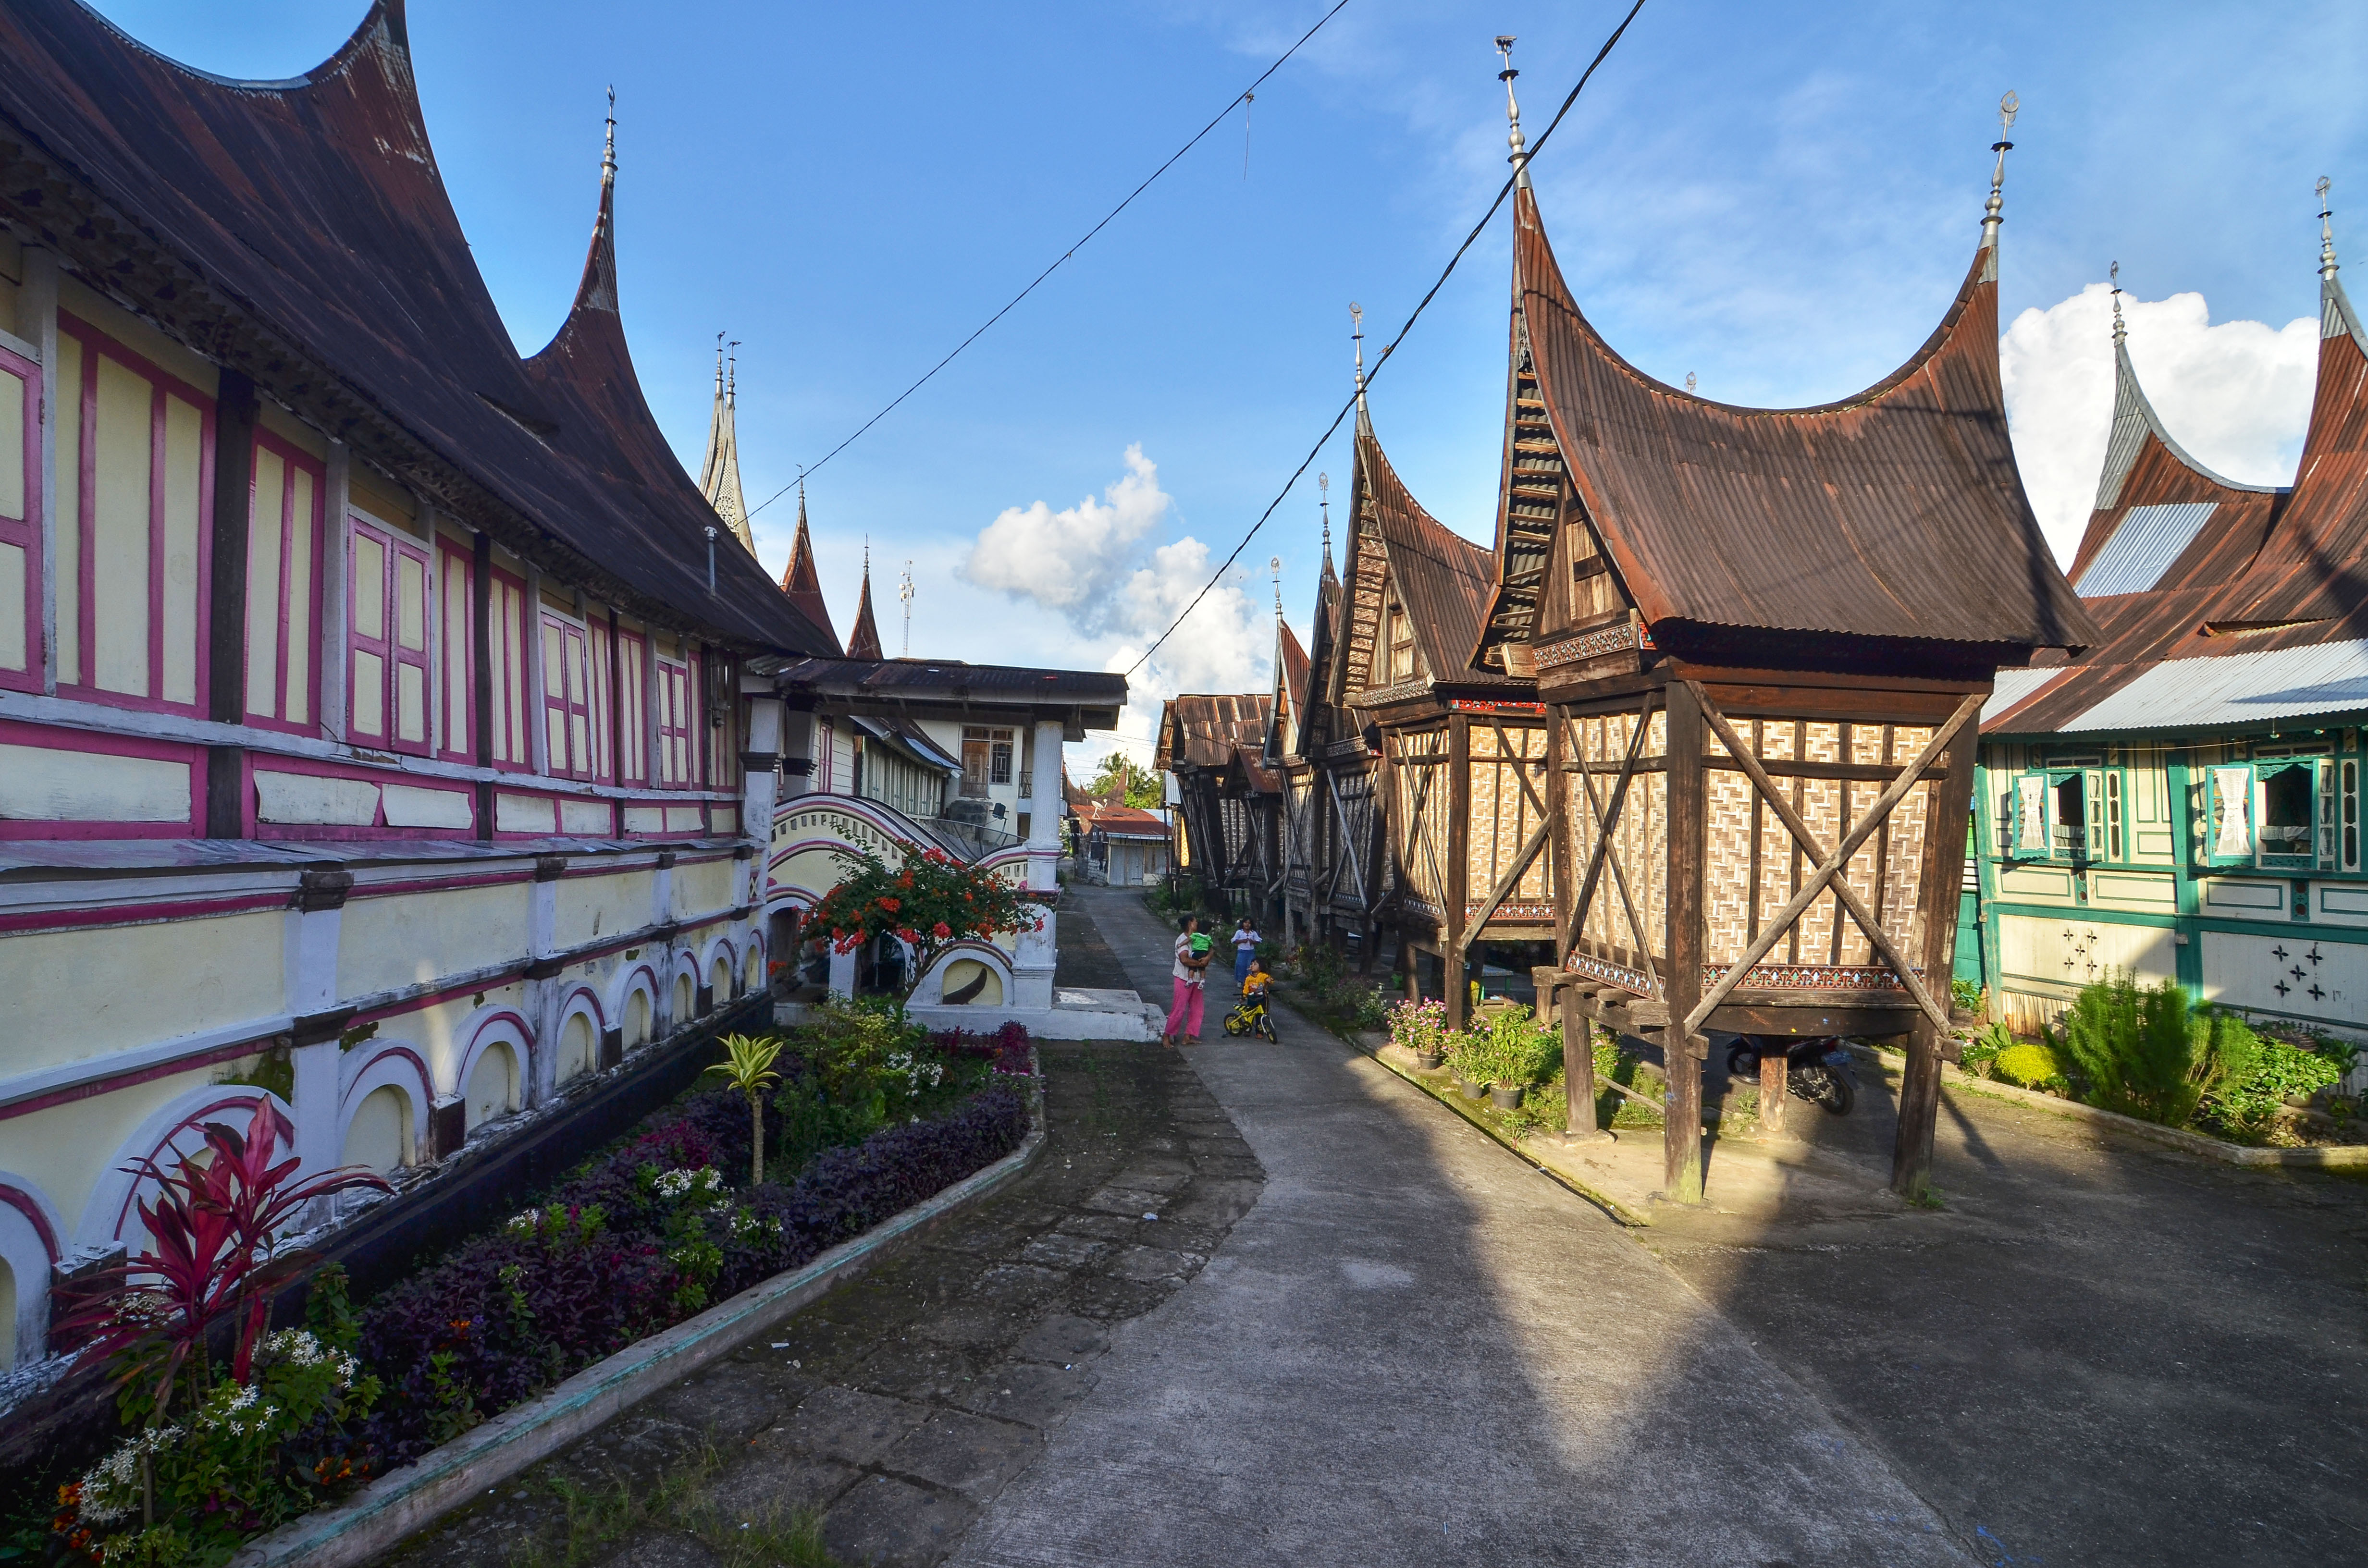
column 1415, row 1350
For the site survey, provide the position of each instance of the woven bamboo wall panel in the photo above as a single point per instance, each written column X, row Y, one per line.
column 1503, row 817
column 1640, row 837
column 1422, row 809
column 1901, row 910
column 1727, row 870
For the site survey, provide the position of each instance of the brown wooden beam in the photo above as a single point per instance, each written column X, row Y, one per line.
column 1455, row 883
column 1681, row 1152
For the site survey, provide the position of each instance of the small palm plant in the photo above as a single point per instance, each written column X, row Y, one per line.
column 747, row 1066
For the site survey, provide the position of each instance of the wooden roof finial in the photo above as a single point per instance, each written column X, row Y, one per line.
column 609, row 155
column 1356, row 336
column 1324, row 504
column 2121, row 332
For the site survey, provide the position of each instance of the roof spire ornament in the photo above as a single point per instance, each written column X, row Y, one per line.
column 609, row 156
column 2327, row 267
column 1356, row 336
column 2119, row 330
column 1324, row 504
column 1274, row 564
column 904, row 592
column 2009, row 106
column 1519, row 157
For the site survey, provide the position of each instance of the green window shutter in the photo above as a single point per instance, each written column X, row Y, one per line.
column 2327, row 816
column 2092, row 795
column 2229, row 814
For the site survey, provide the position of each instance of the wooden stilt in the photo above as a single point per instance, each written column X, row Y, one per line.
column 1919, row 1087
column 1578, row 1071
column 1682, row 1174
column 1772, row 1077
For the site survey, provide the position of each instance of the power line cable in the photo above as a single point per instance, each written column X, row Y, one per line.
column 1240, row 99
column 1534, row 149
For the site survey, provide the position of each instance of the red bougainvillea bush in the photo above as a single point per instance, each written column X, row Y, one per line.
column 929, row 903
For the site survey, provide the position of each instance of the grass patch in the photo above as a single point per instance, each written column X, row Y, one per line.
column 597, row 1518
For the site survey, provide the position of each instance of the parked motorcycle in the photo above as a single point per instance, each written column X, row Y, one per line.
column 1817, row 1067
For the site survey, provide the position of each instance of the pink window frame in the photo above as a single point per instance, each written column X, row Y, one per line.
column 295, row 457
column 673, row 764
column 450, row 747
column 162, row 383
column 601, row 651
column 401, row 658
column 567, row 697
column 632, row 709
column 515, row 658
column 25, row 532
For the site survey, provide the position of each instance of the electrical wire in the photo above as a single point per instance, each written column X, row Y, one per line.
column 1373, row 374
column 1239, row 99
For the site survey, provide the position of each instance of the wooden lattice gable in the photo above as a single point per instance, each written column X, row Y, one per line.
column 1322, row 726
column 1553, row 576
column 1287, row 719
column 1414, row 594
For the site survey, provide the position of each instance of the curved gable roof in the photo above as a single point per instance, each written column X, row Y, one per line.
column 300, row 233
column 1897, row 513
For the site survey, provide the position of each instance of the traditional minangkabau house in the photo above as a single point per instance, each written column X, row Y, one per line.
column 1347, row 849
column 1763, row 636
column 388, row 724
column 1281, row 756
column 1228, row 803
column 2183, row 802
column 370, row 696
column 1463, row 775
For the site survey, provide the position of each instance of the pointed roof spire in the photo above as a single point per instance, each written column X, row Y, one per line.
column 863, row 641
column 597, row 291
column 1324, row 492
column 1274, row 564
column 1994, row 209
column 2327, row 267
column 1356, row 336
column 2121, row 332
column 1521, row 153
column 801, row 582
column 719, row 474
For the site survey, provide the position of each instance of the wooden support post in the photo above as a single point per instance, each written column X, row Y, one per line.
column 1458, row 880
column 226, row 652
column 1681, row 1164
column 1944, row 856
column 1772, row 1072
column 1578, row 1071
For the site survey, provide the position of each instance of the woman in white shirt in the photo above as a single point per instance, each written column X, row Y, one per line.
column 1246, row 947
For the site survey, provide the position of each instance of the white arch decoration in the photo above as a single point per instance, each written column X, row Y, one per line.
column 173, row 1129
column 398, row 1065
column 585, row 1003
column 481, row 1028
column 637, row 976
column 930, row 989
column 32, row 1237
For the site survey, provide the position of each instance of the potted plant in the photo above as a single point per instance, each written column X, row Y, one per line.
column 1418, row 1026
column 1466, row 1052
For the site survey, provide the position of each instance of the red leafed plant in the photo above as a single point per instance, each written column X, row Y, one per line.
column 214, row 1226
column 929, row 903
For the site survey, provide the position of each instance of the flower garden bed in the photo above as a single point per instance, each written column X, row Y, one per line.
column 870, row 1118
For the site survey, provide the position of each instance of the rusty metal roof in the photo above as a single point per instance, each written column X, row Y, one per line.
column 919, row 679
column 1204, row 731
column 803, row 584
column 1897, row 513
column 299, row 233
column 2274, row 579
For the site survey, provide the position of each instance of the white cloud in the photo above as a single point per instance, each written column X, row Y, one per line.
column 2236, row 396
column 1095, row 567
column 1069, row 559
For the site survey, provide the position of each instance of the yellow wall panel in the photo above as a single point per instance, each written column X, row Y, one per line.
column 702, row 888
column 69, row 512
column 591, row 907
column 184, row 429
column 76, row 995
column 121, row 469
column 414, row 938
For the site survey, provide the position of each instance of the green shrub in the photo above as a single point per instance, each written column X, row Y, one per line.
column 2032, row 1066
column 1521, row 1051
column 2145, row 1052
column 2280, row 1070
column 1970, row 996
column 1979, row 1055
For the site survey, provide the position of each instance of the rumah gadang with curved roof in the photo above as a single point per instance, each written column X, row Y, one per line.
column 298, row 233
column 1890, row 528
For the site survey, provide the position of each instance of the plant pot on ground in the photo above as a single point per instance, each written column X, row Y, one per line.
column 1470, row 1089
column 1505, row 1097
column 1426, row 1060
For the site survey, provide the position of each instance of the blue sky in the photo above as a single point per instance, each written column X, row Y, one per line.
column 1779, row 198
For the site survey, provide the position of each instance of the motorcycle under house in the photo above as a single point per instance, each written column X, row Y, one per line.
column 1817, row 1067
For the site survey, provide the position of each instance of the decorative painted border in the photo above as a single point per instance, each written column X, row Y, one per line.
column 1617, row 974
column 1532, row 910
column 1475, row 705
column 1761, row 977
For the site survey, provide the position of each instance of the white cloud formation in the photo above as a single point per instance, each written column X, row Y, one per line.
column 1069, row 559
column 1095, row 567
column 2236, row 396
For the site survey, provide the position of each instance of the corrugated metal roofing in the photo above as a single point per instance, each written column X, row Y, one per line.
column 2237, row 688
column 2142, row 548
column 2013, row 687
column 1205, row 730
column 1897, row 513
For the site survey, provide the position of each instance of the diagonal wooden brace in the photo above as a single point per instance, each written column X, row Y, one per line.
column 1604, row 842
column 1505, row 884
column 1602, row 839
column 1521, row 764
column 1830, row 865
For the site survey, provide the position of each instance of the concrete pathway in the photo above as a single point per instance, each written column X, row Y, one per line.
column 1415, row 1350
